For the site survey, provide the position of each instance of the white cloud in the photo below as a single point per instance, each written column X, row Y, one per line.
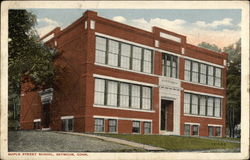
column 119, row 19
column 49, row 25
column 196, row 33
column 214, row 24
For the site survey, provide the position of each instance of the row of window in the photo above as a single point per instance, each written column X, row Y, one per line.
column 202, row 73
column 120, row 94
column 127, row 56
column 112, row 126
column 193, row 130
column 202, row 105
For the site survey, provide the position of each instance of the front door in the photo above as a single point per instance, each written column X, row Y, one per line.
column 46, row 116
column 167, row 115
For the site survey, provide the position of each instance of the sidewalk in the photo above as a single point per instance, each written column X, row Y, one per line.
column 116, row 140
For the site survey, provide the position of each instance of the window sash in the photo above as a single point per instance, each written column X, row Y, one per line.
column 195, row 130
column 112, row 125
column 187, row 129
column 124, row 95
column 135, row 96
column 147, row 127
column 112, row 93
column 186, row 103
column 99, row 125
column 136, row 127
column 99, row 91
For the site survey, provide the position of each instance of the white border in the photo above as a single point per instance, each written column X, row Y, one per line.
column 191, row 123
column 215, row 125
column 243, row 5
column 124, row 80
column 199, row 116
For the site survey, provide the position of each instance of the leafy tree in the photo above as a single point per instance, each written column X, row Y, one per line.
column 233, row 85
column 28, row 58
column 209, row 46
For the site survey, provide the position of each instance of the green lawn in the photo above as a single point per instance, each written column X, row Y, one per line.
column 176, row 143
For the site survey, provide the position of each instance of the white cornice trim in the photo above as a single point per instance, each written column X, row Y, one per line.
column 215, row 125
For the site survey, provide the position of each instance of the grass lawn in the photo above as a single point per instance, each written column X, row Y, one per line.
column 176, row 143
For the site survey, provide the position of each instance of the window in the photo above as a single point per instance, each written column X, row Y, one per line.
column 194, row 104
column 113, row 51
column 136, row 127
column 146, row 98
column 100, row 50
column 137, row 56
column 124, row 95
column 112, row 125
column 37, row 125
column 67, row 125
column 125, row 55
column 186, row 103
column 203, row 73
column 147, row 127
column 99, row 125
column 112, row 93
column 210, row 75
column 217, row 131
column 169, row 65
column 187, row 70
column 195, row 72
column 202, row 105
column 99, row 91
column 135, row 96
column 147, row 61
column 187, row 129
column 210, row 131
column 217, row 77
column 195, row 130
column 118, row 94
column 210, row 103
column 217, row 104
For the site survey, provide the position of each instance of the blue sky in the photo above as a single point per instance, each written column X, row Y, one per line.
column 209, row 25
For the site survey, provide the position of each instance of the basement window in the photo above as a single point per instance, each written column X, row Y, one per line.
column 99, row 125
column 136, row 127
column 37, row 125
column 68, row 125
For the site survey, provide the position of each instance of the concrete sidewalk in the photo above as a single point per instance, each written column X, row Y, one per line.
column 116, row 140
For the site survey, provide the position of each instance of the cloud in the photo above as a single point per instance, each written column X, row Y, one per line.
column 197, row 32
column 214, row 24
column 119, row 19
column 48, row 25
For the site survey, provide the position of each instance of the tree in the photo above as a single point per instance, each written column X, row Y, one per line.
column 212, row 47
column 28, row 57
column 234, row 85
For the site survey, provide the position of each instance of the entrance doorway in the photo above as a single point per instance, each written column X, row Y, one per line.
column 46, row 115
column 167, row 122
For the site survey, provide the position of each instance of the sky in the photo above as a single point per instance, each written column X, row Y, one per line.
column 221, row 27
